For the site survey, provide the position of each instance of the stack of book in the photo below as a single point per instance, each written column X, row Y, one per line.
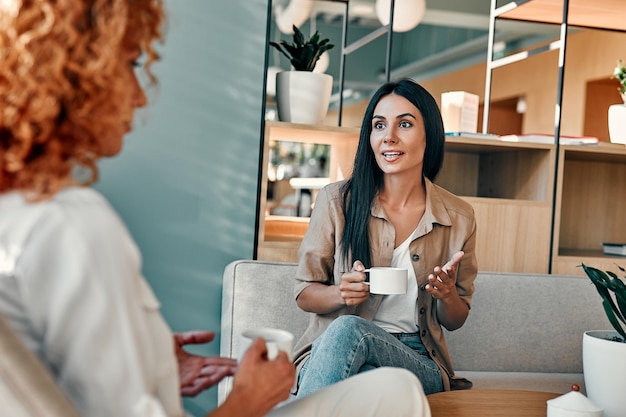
column 618, row 249
column 541, row 138
column 532, row 137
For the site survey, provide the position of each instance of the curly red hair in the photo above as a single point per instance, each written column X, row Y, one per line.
column 59, row 62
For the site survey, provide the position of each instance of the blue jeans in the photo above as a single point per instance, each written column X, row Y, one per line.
column 352, row 345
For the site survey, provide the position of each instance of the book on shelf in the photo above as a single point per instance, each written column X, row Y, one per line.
column 473, row 135
column 614, row 248
column 545, row 138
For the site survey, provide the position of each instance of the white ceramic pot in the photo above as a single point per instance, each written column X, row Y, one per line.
column 303, row 96
column 617, row 123
column 604, row 369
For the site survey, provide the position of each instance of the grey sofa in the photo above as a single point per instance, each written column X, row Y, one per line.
column 524, row 331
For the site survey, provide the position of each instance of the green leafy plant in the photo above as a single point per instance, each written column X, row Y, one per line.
column 619, row 73
column 613, row 292
column 303, row 53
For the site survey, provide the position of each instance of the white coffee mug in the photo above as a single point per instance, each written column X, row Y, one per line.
column 276, row 340
column 388, row 280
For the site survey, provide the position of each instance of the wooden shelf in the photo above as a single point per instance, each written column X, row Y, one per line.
column 590, row 188
column 568, row 260
column 501, row 170
column 296, row 132
column 591, row 206
column 599, row 14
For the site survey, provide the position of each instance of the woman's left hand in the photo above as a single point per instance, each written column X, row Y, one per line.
column 198, row 373
column 442, row 282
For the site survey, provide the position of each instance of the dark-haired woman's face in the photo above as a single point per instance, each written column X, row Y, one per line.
column 398, row 138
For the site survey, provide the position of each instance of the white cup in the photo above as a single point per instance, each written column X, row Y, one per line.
column 387, row 280
column 276, row 340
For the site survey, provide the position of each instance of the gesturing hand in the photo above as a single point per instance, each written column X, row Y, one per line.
column 442, row 282
column 198, row 373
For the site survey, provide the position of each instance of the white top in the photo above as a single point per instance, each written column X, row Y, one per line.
column 397, row 313
column 71, row 285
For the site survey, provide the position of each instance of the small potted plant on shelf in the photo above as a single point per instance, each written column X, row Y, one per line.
column 604, row 351
column 303, row 96
column 617, row 112
column 619, row 73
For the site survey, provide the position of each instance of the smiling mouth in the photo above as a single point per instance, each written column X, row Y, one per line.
column 392, row 154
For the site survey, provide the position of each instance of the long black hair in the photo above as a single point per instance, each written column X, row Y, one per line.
column 367, row 178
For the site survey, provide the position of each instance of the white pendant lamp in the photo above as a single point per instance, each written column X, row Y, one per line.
column 406, row 15
column 322, row 63
column 296, row 12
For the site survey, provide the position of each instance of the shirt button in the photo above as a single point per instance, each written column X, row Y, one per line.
column 423, row 287
column 422, row 310
column 423, row 332
column 433, row 353
column 415, row 257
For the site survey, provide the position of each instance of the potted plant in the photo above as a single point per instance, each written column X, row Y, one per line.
column 617, row 112
column 619, row 73
column 604, row 351
column 303, row 96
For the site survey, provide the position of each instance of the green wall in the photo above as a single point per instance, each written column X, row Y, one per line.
column 186, row 181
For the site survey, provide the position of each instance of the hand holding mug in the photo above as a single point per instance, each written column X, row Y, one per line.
column 353, row 289
column 260, row 383
column 276, row 341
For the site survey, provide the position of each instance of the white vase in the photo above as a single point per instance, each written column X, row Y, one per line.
column 617, row 123
column 604, row 370
column 303, row 96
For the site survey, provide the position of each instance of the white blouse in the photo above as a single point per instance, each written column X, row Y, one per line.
column 398, row 312
column 71, row 285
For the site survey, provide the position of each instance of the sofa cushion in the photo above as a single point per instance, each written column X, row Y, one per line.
column 527, row 323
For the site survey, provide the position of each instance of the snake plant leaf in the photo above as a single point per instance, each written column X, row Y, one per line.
column 608, row 309
column 298, row 37
column 608, row 283
column 303, row 54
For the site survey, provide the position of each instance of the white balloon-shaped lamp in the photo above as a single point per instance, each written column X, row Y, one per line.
column 406, row 13
column 296, row 12
column 322, row 63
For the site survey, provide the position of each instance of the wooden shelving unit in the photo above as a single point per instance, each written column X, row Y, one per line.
column 508, row 184
column 590, row 208
column 540, row 208
column 590, row 189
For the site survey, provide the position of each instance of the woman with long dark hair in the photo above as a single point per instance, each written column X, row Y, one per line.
column 389, row 213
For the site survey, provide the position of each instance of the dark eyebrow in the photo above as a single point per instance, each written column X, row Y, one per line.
column 400, row 116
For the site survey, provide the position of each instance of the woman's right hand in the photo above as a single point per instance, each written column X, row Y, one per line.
column 259, row 384
column 321, row 298
column 353, row 289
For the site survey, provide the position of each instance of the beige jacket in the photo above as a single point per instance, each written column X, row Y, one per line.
column 448, row 225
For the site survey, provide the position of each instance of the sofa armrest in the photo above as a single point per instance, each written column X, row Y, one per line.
column 257, row 294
